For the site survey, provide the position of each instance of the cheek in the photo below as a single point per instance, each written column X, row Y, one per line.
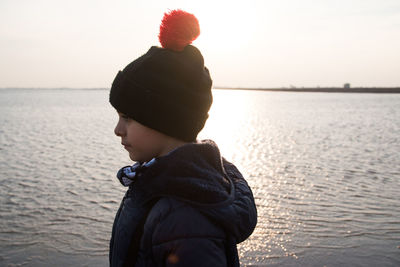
column 143, row 140
column 136, row 135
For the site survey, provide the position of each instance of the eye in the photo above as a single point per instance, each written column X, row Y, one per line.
column 124, row 117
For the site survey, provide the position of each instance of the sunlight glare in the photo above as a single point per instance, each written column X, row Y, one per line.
column 224, row 126
column 226, row 26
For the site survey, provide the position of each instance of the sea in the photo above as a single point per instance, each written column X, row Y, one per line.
column 324, row 169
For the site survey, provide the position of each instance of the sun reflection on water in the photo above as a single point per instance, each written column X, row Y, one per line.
column 247, row 136
column 225, row 123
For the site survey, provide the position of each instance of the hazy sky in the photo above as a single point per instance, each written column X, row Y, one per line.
column 83, row 43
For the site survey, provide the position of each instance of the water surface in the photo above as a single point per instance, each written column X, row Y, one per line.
column 324, row 169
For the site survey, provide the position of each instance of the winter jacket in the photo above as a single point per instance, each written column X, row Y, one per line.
column 188, row 208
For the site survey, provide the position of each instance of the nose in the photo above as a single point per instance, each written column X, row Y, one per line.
column 118, row 131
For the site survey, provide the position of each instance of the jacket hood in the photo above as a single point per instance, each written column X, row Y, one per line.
column 196, row 173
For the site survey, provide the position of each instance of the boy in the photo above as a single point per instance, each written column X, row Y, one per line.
column 185, row 204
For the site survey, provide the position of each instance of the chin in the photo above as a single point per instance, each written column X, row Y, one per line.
column 132, row 157
column 136, row 159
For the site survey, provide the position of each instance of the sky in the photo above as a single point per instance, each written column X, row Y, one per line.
column 252, row 43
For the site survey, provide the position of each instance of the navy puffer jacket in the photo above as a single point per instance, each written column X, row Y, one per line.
column 188, row 208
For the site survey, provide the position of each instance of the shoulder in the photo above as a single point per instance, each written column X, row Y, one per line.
column 171, row 219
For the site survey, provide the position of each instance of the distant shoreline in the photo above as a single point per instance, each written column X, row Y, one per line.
column 372, row 90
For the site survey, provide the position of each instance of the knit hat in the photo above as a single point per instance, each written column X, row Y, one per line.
column 167, row 89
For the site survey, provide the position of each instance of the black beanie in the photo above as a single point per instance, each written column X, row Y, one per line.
column 166, row 90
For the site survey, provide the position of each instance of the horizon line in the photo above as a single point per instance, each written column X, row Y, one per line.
column 284, row 88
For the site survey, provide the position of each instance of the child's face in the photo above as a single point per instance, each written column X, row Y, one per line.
column 141, row 142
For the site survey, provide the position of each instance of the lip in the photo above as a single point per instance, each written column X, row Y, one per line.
column 125, row 145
